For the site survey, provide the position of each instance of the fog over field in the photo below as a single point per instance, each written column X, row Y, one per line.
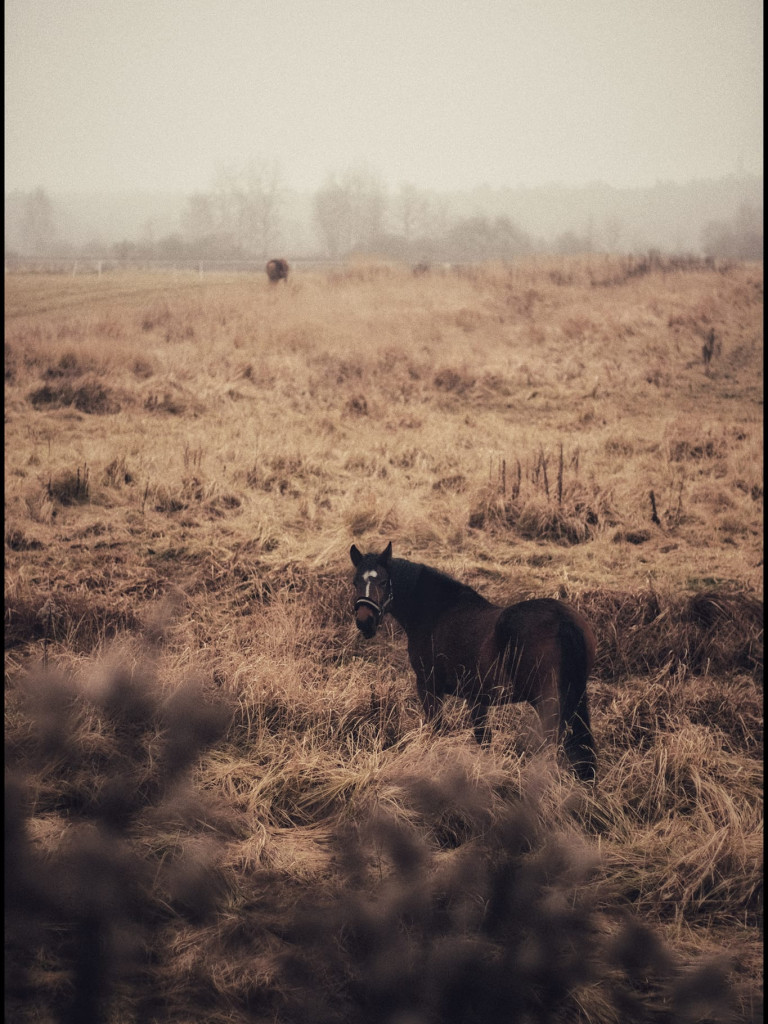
column 607, row 127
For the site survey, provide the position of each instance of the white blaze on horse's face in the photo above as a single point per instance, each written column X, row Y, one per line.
column 368, row 576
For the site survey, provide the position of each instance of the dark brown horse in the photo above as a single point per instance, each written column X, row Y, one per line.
column 277, row 270
column 459, row 643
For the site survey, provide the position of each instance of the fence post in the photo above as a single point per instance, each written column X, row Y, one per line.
column 74, row 269
column 200, row 269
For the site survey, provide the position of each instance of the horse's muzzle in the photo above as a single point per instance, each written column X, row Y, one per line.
column 367, row 617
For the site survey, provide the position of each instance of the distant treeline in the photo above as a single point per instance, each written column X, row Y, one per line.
column 252, row 215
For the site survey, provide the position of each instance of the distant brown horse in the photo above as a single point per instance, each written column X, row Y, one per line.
column 539, row 651
column 277, row 270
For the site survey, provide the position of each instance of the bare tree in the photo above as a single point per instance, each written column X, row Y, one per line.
column 225, row 202
column 198, row 220
column 738, row 239
column 436, row 218
column 411, row 211
column 263, row 187
column 349, row 211
column 331, row 212
column 38, row 230
column 478, row 238
column 243, row 210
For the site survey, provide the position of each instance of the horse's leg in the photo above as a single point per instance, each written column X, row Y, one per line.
column 578, row 741
column 577, row 653
column 572, row 729
column 430, row 701
column 478, row 710
column 547, row 706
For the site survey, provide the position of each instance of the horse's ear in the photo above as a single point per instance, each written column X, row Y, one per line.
column 386, row 555
column 355, row 555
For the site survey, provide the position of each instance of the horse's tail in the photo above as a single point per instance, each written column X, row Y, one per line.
column 575, row 727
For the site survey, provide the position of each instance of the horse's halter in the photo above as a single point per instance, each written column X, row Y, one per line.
column 370, row 578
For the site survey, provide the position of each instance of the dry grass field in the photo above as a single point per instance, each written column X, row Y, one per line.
column 222, row 804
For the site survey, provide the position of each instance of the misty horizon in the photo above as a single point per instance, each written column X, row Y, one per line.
column 358, row 213
column 738, row 174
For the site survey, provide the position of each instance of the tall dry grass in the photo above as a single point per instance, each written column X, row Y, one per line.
column 222, row 804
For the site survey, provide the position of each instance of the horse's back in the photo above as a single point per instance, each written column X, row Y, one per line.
column 543, row 629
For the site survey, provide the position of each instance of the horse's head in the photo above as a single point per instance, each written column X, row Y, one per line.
column 373, row 588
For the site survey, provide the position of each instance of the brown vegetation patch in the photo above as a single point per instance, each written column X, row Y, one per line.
column 713, row 608
column 357, row 405
column 68, row 365
column 644, row 632
column 632, row 536
column 173, row 403
column 157, row 315
column 286, row 474
column 541, row 496
column 709, row 448
column 17, row 540
column 71, row 487
column 142, row 368
column 79, row 620
column 468, row 320
column 456, row 483
column 455, row 381
column 169, row 500
column 574, row 520
column 494, row 384
column 193, row 492
column 89, row 396
column 652, row 262
column 117, row 473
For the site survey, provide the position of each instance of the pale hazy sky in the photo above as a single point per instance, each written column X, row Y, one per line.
column 161, row 94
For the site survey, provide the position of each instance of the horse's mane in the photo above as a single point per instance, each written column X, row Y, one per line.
column 405, row 574
column 408, row 577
